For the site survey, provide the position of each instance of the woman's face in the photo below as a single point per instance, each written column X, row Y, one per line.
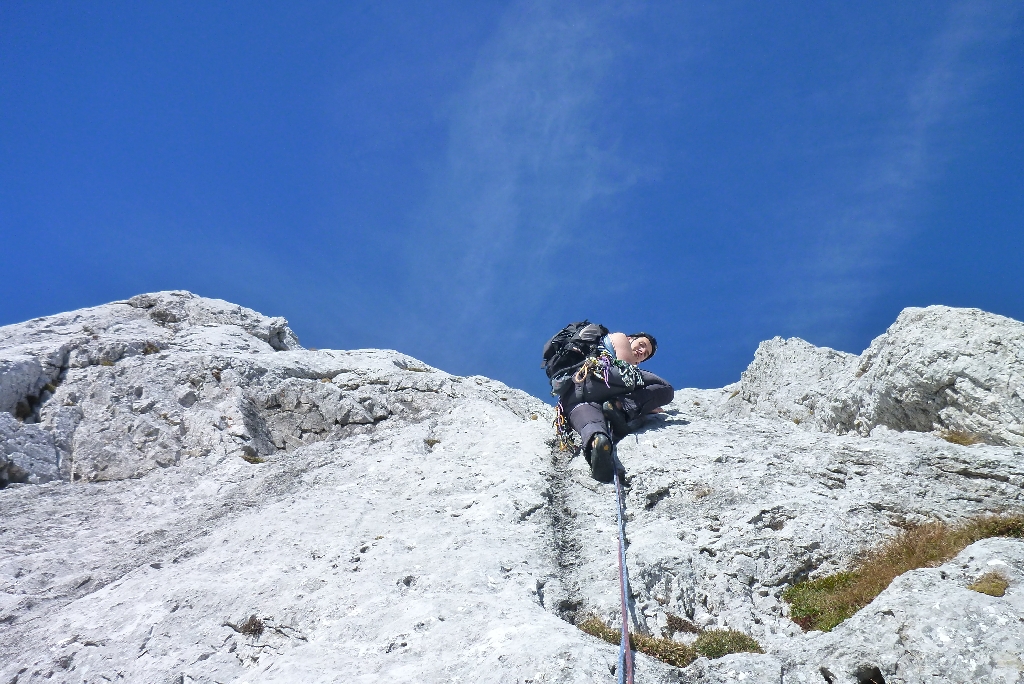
column 641, row 347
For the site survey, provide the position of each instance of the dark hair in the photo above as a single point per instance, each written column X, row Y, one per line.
column 654, row 342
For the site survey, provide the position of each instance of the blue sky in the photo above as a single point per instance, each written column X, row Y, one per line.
column 459, row 180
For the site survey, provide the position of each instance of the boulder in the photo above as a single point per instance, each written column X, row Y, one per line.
column 27, row 454
column 938, row 368
column 935, row 369
column 791, row 379
column 129, row 387
column 930, row 626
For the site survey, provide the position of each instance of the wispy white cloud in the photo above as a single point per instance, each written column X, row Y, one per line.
column 524, row 161
column 861, row 232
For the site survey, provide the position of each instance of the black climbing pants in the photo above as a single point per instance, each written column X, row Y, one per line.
column 583, row 408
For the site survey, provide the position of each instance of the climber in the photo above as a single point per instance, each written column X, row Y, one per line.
column 606, row 389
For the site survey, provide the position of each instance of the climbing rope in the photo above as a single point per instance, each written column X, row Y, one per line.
column 625, row 652
column 566, row 439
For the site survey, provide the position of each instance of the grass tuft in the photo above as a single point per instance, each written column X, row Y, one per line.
column 249, row 455
column 713, row 643
column 991, row 583
column 665, row 650
column 676, row 624
column 825, row 602
column 594, row 626
column 961, row 437
column 252, row 626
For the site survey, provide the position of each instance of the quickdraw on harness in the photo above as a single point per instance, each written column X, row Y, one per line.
column 568, row 440
column 600, row 365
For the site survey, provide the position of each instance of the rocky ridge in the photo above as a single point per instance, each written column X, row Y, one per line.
column 177, row 464
column 936, row 368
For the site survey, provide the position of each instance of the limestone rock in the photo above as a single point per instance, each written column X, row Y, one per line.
column 936, row 368
column 27, row 454
column 939, row 368
column 724, row 515
column 738, row 667
column 791, row 379
column 128, row 387
column 224, row 505
column 26, row 374
column 929, row 626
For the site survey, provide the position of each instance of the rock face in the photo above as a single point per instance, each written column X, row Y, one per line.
column 928, row 626
column 176, row 465
column 790, row 379
column 936, row 368
column 123, row 389
column 27, row 453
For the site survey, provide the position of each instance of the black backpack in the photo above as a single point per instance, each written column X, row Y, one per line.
column 567, row 350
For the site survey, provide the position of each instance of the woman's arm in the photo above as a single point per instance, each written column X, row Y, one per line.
column 620, row 342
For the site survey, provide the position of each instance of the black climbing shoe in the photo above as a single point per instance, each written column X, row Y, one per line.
column 617, row 418
column 602, row 465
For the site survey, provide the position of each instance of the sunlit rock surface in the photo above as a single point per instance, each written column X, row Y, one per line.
column 175, row 465
column 936, row 368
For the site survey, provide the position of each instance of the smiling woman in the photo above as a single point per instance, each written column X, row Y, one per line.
column 598, row 385
column 634, row 349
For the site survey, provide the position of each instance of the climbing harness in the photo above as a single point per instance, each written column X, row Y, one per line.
column 625, row 669
column 600, row 365
column 597, row 365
